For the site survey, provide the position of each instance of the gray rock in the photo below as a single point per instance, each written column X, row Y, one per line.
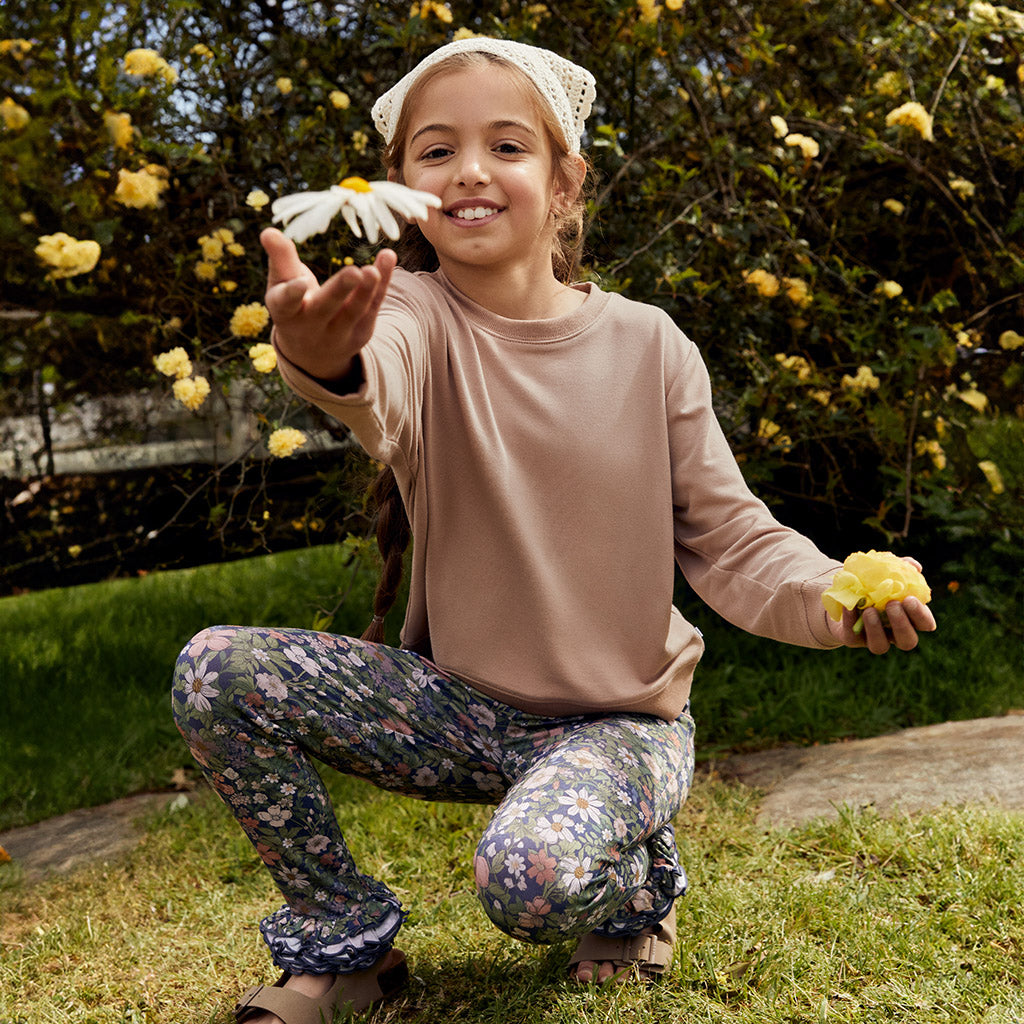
column 954, row 763
column 81, row 837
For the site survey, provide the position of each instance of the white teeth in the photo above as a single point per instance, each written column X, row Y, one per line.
column 474, row 213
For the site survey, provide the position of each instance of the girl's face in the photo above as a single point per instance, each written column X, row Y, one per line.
column 479, row 144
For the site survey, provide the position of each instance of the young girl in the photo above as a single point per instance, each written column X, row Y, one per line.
column 555, row 449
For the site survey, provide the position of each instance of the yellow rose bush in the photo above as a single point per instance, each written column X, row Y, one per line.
column 141, row 189
column 871, row 579
column 842, row 200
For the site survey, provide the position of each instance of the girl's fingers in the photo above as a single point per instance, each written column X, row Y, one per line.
column 286, row 299
column 283, row 258
column 904, row 635
column 356, row 292
column 874, row 632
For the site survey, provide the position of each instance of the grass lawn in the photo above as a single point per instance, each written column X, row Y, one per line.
column 860, row 920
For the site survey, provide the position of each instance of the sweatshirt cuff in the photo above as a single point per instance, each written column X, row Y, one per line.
column 320, row 392
column 815, row 609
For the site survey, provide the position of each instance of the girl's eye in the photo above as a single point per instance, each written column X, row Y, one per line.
column 509, row 148
column 437, row 153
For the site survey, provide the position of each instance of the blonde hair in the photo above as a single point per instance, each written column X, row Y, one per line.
column 416, row 253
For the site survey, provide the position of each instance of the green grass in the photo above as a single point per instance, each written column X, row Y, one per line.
column 857, row 920
column 86, row 670
column 86, row 675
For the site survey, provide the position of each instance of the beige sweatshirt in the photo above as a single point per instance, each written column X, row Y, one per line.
column 551, row 470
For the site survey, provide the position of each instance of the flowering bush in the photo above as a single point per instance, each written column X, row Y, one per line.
column 835, row 217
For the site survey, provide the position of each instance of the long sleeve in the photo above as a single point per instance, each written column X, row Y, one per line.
column 757, row 573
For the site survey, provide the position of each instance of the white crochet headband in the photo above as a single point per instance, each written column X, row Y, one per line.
column 568, row 88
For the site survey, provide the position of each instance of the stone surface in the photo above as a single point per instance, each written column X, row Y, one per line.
column 979, row 761
column 90, row 834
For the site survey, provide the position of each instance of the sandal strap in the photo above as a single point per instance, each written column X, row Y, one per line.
column 632, row 949
column 294, row 1008
column 651, row 951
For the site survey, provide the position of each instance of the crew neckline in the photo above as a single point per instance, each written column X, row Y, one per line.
column 545, row 331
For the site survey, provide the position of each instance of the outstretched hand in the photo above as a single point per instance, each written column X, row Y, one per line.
column 901, row 625
column 321, row 327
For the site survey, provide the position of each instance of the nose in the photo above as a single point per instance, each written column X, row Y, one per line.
column 471, row 169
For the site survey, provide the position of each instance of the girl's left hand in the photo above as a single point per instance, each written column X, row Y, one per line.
column 906, row 619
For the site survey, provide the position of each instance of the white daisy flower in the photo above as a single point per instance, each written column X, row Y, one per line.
column 576, row 873
column 198, row 688
column 308, row 213
column 554, row 829
column 581, row 804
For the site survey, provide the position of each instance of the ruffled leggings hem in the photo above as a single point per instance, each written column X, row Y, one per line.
column 303, row 944
column 665, row 884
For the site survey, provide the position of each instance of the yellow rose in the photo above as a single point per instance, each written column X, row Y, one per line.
column 247, row 321
column 912, row 115
column 191, row 391
column 174, row 363
column 119, row 128
column 14, row 115
column 797, row 291
column 285, row 441
column 871, row 579
column 264, row 358
column 864, row 380
column 67, row 255
column 767, row 284
column 257, row 199
column 213, row 248
column 808, row 146
column 140, row 189
column 143, row 63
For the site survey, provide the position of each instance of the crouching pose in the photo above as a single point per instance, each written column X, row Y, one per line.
column 553, row 455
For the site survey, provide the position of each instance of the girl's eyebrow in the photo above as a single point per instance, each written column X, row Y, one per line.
column 493, row 126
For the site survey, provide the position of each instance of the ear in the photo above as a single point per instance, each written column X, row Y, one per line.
column 392, row 174
column 568, row 188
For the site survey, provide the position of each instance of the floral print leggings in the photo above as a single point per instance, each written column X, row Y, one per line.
column 581, row 839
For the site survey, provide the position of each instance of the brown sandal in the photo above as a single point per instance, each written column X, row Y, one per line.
column 358, row 995
column 649, row 953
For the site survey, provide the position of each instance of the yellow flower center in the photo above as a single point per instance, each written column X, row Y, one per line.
column 357, row 184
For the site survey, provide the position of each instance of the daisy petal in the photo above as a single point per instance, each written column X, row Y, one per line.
column 366, row 205
column 291, row 206
column 312, row 222
column 348, row 211
column 307, row 213
column 387, row 220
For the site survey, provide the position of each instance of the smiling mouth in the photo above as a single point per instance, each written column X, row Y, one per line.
column 470, row 213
